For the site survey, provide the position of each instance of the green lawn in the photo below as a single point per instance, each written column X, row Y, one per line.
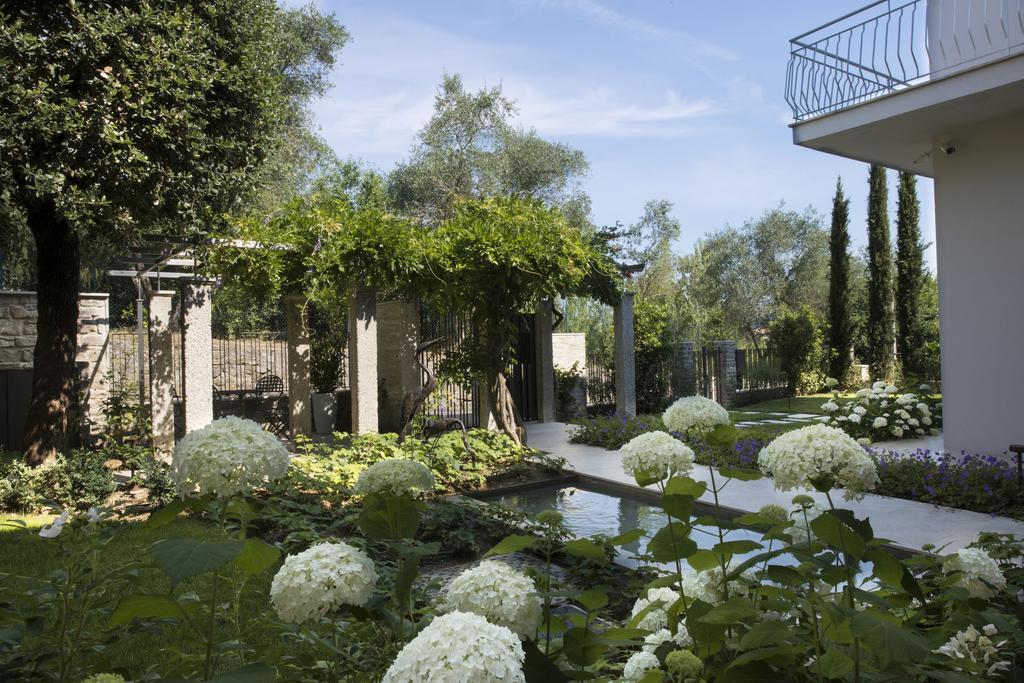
column 797, row 404
column 26, row 556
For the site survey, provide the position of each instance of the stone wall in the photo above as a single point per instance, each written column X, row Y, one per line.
column 18, row 315
column 568, row 348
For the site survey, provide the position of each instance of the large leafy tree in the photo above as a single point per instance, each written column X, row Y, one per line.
column 123, row 118
column 498, row 257
column 840, row 322
column 749, row 273
column 911, row 333
column 880, row 324
column 471, row 148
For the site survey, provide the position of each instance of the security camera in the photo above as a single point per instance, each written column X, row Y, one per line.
column 948, row 150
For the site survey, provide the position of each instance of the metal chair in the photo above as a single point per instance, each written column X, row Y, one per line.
column 272, row 411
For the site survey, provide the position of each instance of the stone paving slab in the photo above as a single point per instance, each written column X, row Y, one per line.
column 904, row 522
column 803, row 416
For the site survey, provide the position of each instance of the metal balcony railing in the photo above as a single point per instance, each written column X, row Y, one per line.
column 892, row 44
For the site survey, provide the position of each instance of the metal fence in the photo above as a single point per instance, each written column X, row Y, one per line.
column 600, row 380
column 459, row 401
column 889, row 45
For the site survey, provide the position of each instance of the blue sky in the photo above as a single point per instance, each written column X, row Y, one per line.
column 667, row 99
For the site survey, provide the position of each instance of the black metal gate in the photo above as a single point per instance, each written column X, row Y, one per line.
column 458, row 401
column 523, row 376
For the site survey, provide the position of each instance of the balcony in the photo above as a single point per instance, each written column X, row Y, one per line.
column 893, row 45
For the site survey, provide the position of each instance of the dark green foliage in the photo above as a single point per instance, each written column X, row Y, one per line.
column 78, row 480
column 880, row 323
column 796, row 339
column 911, row 336
column 840, row 322
column 653, row 355
column 566, row 383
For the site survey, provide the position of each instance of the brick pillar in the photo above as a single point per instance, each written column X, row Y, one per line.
column 300, row 416
column 544, row 362
column 93, row 359
column 398, row 334
column 362, row 361
column 161, row 374
column 684, row 370
column 198, row 355
column 727, row 371
column 625, row 357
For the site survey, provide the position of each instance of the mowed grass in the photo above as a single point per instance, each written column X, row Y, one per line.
column 28, row 558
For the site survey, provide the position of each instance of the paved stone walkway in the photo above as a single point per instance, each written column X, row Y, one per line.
column 904, row 522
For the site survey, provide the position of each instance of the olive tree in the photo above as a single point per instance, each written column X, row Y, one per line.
column 124, row 118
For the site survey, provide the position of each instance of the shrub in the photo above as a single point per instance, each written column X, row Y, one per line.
column 882, row 413
column 797, row 339
column 78, row 480
column 566, row 383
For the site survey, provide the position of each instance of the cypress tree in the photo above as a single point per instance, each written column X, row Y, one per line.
column 910, row 334
column 840, row 325
column 881, row 325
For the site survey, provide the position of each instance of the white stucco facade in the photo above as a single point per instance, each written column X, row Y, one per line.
column 979, row 239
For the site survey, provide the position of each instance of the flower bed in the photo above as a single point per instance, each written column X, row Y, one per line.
column 882, row 413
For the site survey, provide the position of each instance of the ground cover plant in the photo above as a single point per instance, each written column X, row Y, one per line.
column 818, row 597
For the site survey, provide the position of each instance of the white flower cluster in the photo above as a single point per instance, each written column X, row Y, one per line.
column 228, row 456
column 498, row 593
column 979, row 573
column 458, row 647
column 880, row 413
column 978, row 647
column 638, row 665
column 656, row 454
column 319, row 580
column 396, row 477
column 682, row 638
column 802, row 518
column 692, row 415
column 657, row 618
column 707, row 585
column 795, row 458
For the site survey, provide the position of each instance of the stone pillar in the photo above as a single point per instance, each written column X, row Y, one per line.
column 198, row 354
column 625, row 357
column 544, row 362
column 362, row 360
column 684, row 370
column 398, row 334
column 300, row 416
column 161, row 374
column 93, row 359
column 727, row 372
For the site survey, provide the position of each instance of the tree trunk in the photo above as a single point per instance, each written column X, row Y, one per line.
column 505, row 412
column 53, row 365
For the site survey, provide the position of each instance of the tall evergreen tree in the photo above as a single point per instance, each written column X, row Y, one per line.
column 910, row 274
column 840, row 323
column 881, row 330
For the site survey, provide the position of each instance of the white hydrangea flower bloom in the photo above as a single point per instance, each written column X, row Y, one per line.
column 864, row 441
column 880, row 423
column 694, row 414
column 925, row 388
column 657, row 618
column 228, row 456
column 891, row 389
column 897, row 432
column 321, row 579
column 54, row 528
column 829, row 406
column 459, row 647
column 656, row 454
column 863, row 393
column 682, row 638
column 854, row 417
column 395, row 476
column 498, row 593
column 926, row 421
column 707, row 585
column 638, row 665
column 977, row 647
column 913, row 422
column 979, row 573
column 860, row 410
column 906, row 399
column 878, row 386
column 923, row 408
column 903, row 414
column 794, row 458
column 831, row 382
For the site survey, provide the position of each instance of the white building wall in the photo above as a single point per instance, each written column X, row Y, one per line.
column 979, row 216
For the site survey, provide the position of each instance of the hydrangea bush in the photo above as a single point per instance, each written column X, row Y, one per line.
column 321, row 579
column 815, row 456
column 395, row 476
column 882, row 413
column 459, row 647
column 498, row 593
column 655, row 456
column 226, row 457
column 695, row 415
